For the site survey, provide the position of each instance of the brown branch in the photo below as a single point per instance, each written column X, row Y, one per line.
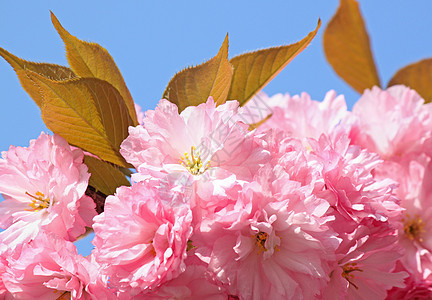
column 98, row 198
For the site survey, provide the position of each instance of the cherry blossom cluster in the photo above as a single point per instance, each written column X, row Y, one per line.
column 317, row 202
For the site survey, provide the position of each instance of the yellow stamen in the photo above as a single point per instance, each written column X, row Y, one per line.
column 153, row 251
column 38, row 202
column 194, row 164
column 413, row 227
column 347, row 273
column 260, row 239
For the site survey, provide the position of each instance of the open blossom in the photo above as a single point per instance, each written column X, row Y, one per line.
column 415, row 288
column 397, row 124
column 393, row 122
column 350, row 186
column 206, row 143
column 415, row 227
column 140, row 240
column 366, row 260
column 300, row 116
column 49, row 267
column 193, row 284
column 43, row 187
column 292, row 167
column 267, row 249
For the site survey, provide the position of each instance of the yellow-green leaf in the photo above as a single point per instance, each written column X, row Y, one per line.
column 347, row 47
column 51, row 71
column 105, row 177
column 417, row 76
column 91, row 60
column 194, row 85
column 253, row 70
column 88, row 112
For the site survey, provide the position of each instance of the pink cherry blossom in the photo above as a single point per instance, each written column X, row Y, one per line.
column 416, row 288
column 141, row 240
column 205, row 148
column 4, row 293
column 415, row 226
column 350, row 187
column 43, row 187
column 397, row 124
column 266, row 249
column 49, row 267
column 193, row 284
column 302, row 117
column 393, row 122
column 366, row 259
column 290, row 164
column 306, row 206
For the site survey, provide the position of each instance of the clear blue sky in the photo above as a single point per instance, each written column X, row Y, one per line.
column 152, row 40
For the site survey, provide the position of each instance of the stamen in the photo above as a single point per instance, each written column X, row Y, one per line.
column 38, row 201
column 413, row 227
column 190, row 246
column 261, row 238
column 153, row 251
column 194, row 164
column 347, row 273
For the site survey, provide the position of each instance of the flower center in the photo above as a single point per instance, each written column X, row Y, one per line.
column 193, row 163
column 413, row 227
column 347, row 273
column 260, row 239
column 190, row 246
column 38, row 201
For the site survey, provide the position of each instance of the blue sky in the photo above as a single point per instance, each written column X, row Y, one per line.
column 152, row 40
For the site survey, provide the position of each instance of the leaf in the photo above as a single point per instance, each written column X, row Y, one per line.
column 194, row 85
column 254, row 70
column 88, row 112
column 417, row 76
column 105, row 177
column 347, row 47
column 51, row 71
column 91, row 60
column 256, row 125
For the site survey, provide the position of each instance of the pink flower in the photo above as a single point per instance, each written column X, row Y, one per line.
column 267, row 248
column 43, row 187
column 4, row 293
column 49, row 267
column 366, row 259
column 352, row 191
column 418, row 289
column 140, row 239
column 290, row 164
column 193, row 284
column 397, row 124
column 415, row 227
column 302, row 117
column 393, row 122
column 206, row 143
